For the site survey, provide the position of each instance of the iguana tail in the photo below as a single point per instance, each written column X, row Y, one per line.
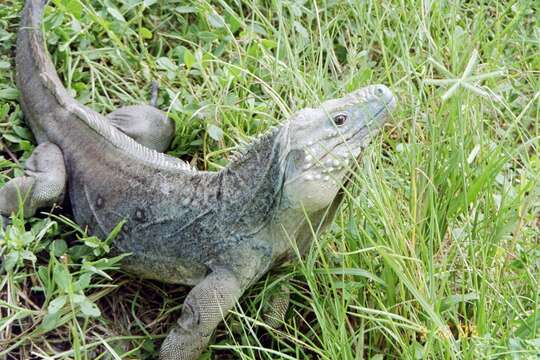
column 53, row 115
column 42, row 96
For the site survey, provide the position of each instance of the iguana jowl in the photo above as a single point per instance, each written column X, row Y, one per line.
column 216, row 231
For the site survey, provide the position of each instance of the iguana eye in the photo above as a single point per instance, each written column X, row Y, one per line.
column 340, row 119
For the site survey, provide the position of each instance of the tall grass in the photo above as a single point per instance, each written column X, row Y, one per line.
column 435, row 252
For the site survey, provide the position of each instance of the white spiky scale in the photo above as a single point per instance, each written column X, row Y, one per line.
column 327, row 178
column 336, row 162
column 329, row 170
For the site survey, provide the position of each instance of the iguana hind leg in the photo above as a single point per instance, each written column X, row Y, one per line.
column 42, row 185
column 145, row 124
column 204, row 308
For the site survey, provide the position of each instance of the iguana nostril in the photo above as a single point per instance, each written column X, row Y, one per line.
column 379, row 91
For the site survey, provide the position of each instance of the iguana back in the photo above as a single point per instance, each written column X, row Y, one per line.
column 176, row 216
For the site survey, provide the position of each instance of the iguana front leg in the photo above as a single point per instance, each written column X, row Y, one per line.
column 276, row 307
column 43, row 185
column 204, row 308
column 145, row 124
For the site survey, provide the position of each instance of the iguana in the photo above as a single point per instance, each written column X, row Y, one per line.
column 216, row 231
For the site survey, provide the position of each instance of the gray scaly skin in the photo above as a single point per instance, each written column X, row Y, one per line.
column 216, row 231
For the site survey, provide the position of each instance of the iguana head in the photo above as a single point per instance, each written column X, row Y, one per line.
column 323, row 142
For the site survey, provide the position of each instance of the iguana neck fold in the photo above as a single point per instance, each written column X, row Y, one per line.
column 256, row 177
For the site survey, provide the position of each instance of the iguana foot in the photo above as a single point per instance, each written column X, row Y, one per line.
column 154, row 90
column 43, row 185
column 276, row 307
column 144, row 124
column 204, row 308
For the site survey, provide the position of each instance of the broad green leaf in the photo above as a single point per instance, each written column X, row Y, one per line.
column 50, row 321
column 215, row 132
column 74, row 8
column 9, row 93
column 28, row 255
column 56, row 304
column 26, row 238
column 215, row 20
column 458, row 298
column 92, row 242
column 59, row 247
column 269, row 44
column 83, row 282
column 116, row 14
column 185, row 9
column 96, row 270
column 22, row 132
column 11, row 260
column 62, row 277
column 166, row 63
column 148, row 3
column 233, row 22
column 11, row 138
column 301, row 30
column 4, row 110
column 88, row 308
column 529, row 326
column 189, row 58
column 208, row 36
column 79, row 298
column 145, row 33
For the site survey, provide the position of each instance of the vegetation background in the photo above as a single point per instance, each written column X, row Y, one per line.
column 435, row 253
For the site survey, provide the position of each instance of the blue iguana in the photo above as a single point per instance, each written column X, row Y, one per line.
column 216, row 231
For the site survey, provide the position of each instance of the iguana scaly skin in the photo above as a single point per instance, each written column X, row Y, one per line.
column 217, row 231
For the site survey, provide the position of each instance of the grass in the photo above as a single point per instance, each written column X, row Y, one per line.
column 435, row 253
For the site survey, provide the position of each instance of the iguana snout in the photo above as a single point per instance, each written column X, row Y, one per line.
column 325, row 141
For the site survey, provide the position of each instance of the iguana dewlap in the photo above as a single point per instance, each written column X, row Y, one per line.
column 217, row 231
